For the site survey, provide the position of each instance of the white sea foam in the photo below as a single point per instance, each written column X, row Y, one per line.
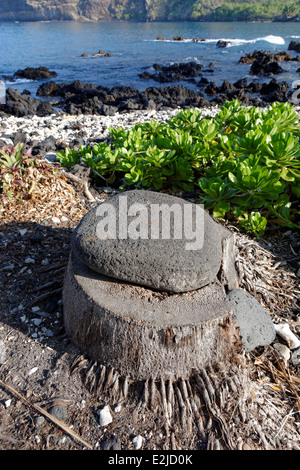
column 237, row 42
column 233, row 42
column 17, row 81
column 273, row 39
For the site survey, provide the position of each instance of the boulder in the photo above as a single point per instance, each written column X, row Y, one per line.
column 107, row 110
column 211, row 89
column 222, row 43
column 39, row 73
column 19, row 105
column 265, row 67
column 128, row 105
column 48, row 89
column 45, row 146
column 254, row 87
column 241, row 83
column 253, row 320
column 273, row 87
column 45, row 108
column 265, row 62
column 202, row 82
column 167, row 261
column 265, row 56
column 226, row 87
column 294, row 46
column 173, row 73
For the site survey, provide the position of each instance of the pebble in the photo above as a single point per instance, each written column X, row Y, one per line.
column 39, row 420
column 59, row 412
column 47, row 332
column 113, row 443
column 9, row 267
column 105, row 417
column 63, row 128
column 2, row 352
column 7, row 403
column 282, row 350
column 33, row 370
column 284, row 331
column 296, row 357
column 35, row 309
column 137, row 441
column 55, row 220
column 29, row 260
column 96, row 127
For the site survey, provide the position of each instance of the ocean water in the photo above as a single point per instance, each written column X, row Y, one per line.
column 134, row 49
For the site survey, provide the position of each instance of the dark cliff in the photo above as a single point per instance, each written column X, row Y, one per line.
column 148, row 10
column 95, row 10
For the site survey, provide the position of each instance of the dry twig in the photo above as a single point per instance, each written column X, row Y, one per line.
column 56, row 421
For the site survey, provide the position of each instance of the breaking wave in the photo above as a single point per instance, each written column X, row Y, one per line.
column 16, row 81
column 232, row 42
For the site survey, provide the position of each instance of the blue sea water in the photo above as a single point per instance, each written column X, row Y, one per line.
column 134, row 49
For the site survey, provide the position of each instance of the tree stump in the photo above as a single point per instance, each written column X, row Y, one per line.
column 143, row 333
column 165, row 325
column 147, row 307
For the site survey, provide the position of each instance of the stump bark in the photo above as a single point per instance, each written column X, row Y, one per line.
column 142, row 333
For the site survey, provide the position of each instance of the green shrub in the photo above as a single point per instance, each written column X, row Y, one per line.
column 243, row 165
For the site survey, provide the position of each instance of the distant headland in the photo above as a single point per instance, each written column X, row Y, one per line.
column 149, row 10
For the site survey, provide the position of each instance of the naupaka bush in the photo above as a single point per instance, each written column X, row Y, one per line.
column 243, row 164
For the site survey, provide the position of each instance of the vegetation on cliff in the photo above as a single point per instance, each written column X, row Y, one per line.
column 150, row 10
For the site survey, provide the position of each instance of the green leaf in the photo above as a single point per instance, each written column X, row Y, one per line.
column 220, row 209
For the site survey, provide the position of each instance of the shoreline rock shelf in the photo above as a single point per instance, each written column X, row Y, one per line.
column 76, row 97
column 124, row 318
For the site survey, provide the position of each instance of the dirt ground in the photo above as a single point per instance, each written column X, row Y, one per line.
column 47, row 401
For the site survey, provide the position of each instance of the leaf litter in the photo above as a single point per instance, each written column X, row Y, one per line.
column 265, row 415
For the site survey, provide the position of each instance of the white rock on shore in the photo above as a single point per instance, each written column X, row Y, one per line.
column 66, row 128
column 88, row 128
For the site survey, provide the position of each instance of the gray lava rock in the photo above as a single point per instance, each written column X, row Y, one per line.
column 113, row 443
column 294, row 46
column 19, row 105
column 256, row 327
column 163, row 263
column 59, row 412
column 38, row 73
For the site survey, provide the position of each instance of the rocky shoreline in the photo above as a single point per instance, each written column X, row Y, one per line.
column 181, row 85
column 49, row 400
column 48, row 134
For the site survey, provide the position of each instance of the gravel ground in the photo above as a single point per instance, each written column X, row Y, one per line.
column 68, row 129
column 47, row 394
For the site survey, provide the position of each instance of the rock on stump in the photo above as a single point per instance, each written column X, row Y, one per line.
column 145, row 297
